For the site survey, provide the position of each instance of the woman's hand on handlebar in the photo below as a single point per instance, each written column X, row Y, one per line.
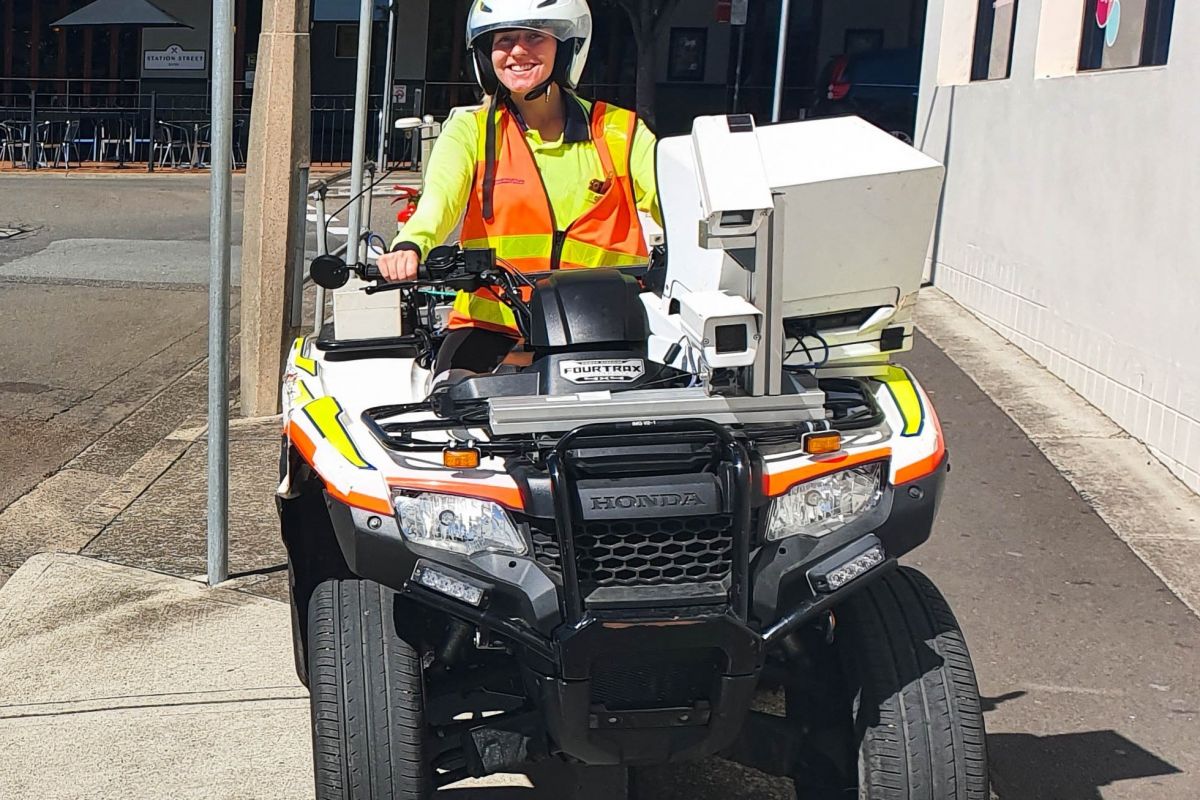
column 400, row 265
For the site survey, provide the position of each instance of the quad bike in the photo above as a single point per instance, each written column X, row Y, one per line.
column 685, row 490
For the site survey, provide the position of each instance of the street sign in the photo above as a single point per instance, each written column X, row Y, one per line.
column 739, row 10
column 174, row 58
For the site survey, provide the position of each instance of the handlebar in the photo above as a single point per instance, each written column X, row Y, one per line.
column 448, row 265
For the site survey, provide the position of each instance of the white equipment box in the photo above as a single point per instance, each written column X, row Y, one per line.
column 852, row 209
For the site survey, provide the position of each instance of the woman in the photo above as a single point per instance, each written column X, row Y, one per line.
column 550, row 181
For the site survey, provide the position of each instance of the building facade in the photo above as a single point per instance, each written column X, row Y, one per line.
column 1069, row 130
column 696, row 58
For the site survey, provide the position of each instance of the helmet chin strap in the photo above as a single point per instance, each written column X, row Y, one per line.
column 542, row 88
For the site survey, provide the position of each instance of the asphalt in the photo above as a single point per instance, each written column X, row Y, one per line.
column 99, row 325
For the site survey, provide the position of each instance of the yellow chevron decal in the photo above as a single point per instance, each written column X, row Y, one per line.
column 324, row 413
column 303, row 395
column 899, row 384
column 302, row 362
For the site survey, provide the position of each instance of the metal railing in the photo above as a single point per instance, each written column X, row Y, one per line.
column 318, row 191
column 125, row 128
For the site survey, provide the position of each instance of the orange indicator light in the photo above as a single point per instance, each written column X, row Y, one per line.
column 819, row 444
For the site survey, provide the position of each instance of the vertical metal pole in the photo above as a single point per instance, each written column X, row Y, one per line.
column 385, row 113
column 322, row 249
column 368, row 207
column 358, row 159
column 218, row 293
column 31, row 155
column 153, row 125
column 737, row 78
column 301, row 237
column 766, row 292
column 780, row 53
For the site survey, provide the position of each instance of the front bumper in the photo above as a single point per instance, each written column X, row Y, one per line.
column 585, row 674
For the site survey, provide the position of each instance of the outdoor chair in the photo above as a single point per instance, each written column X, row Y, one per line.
column 239, row 142
column 13, row 144
column 172, row 143
column 58, row 138
column 203, row 149
column 115, row 135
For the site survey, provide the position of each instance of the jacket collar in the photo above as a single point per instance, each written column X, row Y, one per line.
column 578, row 127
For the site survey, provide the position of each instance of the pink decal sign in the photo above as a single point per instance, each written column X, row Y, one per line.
column 1102, row 9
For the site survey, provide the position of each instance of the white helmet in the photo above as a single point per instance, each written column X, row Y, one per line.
column 568, row 21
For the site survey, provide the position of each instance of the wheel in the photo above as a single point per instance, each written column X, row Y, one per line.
column 312, row 556
column 367, row 697
column 917, row 716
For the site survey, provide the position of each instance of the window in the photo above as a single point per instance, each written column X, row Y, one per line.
column 346, row 42
column 994, row 28
column 1118, row 34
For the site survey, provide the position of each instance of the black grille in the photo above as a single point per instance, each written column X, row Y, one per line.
column 675, row 679
column 645, row 552
column 545, row 549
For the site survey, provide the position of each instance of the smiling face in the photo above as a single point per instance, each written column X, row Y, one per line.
column 523, row 59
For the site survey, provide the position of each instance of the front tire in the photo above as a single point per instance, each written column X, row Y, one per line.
column 367, row 697
column 917, row 715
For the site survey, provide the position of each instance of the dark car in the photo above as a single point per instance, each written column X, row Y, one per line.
column 879, row 85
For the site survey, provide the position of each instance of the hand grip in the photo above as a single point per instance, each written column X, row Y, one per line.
column 370, row 272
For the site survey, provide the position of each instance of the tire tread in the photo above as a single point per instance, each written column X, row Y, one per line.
column 917, row 709
column 367, row 697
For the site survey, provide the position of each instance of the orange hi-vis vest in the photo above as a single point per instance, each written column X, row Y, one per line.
column 509, row 211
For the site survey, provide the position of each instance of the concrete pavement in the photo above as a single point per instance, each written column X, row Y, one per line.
column 126, row 684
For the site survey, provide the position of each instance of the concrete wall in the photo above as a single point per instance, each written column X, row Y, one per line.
column 1070, row 212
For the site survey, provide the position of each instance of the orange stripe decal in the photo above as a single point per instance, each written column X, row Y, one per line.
column 508, row 496
column 779, row 483
column 377, row 505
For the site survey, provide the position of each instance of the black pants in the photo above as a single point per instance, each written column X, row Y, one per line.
column 474, row 349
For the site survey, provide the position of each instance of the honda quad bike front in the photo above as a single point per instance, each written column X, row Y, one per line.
column 686, row 489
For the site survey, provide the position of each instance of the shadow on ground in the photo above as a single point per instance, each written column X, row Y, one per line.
column 1065, row 766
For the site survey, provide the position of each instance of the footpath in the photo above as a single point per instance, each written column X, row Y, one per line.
column 123, row 676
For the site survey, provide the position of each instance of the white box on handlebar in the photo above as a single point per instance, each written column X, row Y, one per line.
column 358, row 315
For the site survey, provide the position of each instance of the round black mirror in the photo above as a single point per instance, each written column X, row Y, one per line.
column 329, row 272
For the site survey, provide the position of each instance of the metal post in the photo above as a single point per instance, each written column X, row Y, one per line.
column 322, row 249
column 385, row 113
column 153, row 127
column 780, row 53
column 766, row 292
column 737, row 78
column 300, row 237
column 31, row 155
column 368, row 207
column 218, row 293
column 359, row 153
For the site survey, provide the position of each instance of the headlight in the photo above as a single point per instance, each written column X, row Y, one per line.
column 459, row 524
column 822, row 505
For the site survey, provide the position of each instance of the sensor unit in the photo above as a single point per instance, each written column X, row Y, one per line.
column 725, row 328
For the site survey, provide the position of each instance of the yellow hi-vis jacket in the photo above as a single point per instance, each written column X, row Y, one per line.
column 563, row 204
